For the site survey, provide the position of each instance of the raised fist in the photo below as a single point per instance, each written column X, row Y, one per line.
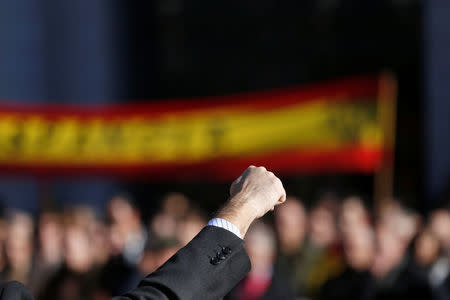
column 252, row 195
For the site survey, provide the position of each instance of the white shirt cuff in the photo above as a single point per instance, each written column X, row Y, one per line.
column 218, row 222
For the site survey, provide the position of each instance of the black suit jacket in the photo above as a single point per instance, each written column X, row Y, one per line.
column 205, row 269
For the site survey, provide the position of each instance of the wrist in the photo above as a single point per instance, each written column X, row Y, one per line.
column 239, row 213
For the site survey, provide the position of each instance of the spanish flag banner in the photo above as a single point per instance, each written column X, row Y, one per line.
column 329, row 127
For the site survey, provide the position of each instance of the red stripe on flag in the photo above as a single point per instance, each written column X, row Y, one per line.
column 345, row 159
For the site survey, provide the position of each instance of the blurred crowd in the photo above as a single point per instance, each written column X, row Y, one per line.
column 342, row 250
column 73, row 254
column 335, row 249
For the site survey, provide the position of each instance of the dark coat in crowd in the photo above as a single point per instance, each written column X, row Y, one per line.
column 351, row 284
column 443, row 291
column 404, row 283
column 118, row 276
column 14, row 290
column 67, row 284
column 279, row 289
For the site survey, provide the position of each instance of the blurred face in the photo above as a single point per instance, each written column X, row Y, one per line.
column 189, row 228
column 390, row 251
column 101, row 246
column 124, row 218
column 426, row 248
column 3, row 232
column 164, row 225
column 19, row 242
column 323, row 228
column 176, row 205
column 353, row 214
column 77, row 249
column 440, row 226
column 261, row 245
column 50, row 238
column 359, row 248
column 290, row 223
column 120, row 211
column 154, row 259
column 116, row 240
column 400, row 222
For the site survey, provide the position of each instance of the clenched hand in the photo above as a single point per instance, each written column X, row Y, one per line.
column 252, row 195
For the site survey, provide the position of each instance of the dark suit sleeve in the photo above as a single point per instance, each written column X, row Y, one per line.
column 207, row 268
column 14, row 290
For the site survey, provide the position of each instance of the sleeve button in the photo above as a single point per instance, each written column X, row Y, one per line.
column 215, row 260
column 226, row 250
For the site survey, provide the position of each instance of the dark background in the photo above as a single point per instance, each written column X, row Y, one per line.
column 209, row 48
column 115, row 51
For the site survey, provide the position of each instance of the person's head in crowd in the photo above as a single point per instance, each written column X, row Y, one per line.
column 390, row 250
column 99, row 236
column 163, row 226
column 3, row 231
column 427, row 248
column 124, row 215
column 128, row 233
column 83, row 215
column 77, row 248
column 50, row 238
column 176, row 205
column 157, row 252
column 291, row 225
column 115, row 240
column 19, row 245
column 189, row 226
column 400, row 221
column 359, row 247
column 261, row 245
column 353, row 213
column 260, row 242
column 322, row 222
column 440, row 226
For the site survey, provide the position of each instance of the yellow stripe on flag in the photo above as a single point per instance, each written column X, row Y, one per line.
column 187, row 138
